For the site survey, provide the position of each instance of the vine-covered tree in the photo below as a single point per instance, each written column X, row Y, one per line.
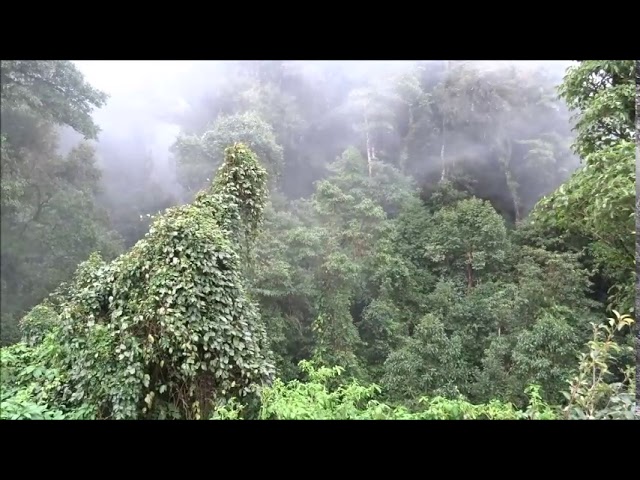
column 166, row 329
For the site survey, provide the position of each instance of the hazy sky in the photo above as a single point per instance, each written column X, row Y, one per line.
column 126, row 76
column 152, row 88
column 145, row 93
column 115, row 76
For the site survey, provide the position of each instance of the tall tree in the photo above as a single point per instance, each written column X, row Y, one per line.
column 50, row 221
column 598, row 201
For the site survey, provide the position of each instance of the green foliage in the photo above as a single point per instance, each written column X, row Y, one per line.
column 503, row 333
column 53, row 90
column 591, row 397
column 141, row 338
column 352, row 206
column 337, row 337
column 50, row 220
column 604, row 387
column 544, row 353
column 602, row 93
column 315, row 400
column 240, row 189
column 199, row 156
column 30, row 378
column 19, row 407
column 598, row 201
column 446, row 295
column 40, row 321
column 312, row 400
column 443, row 409
column 286, row 257
column 431, row 362
column 231, row 410
column 469, row 238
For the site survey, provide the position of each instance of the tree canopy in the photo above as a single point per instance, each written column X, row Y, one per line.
column 322, row 240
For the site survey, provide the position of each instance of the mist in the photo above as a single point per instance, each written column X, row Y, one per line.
column 439, row 239
column 495, row 129
column 152, row 102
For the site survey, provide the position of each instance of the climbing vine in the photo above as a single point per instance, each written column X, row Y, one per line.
column 166, row 330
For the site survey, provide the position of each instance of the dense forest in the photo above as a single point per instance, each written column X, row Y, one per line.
column 327, row 240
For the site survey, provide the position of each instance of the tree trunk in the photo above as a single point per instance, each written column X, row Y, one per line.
column 470, row 271
column 404, row 155
column 369, row 147
column 444, row 133
column 444, row 139
column 512, row 185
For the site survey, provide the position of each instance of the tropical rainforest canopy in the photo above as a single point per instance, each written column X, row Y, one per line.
column 429, row 240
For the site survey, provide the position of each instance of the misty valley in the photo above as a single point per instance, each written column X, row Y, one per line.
column 318, row 240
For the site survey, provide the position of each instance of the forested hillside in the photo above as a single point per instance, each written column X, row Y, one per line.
column 331, row 240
